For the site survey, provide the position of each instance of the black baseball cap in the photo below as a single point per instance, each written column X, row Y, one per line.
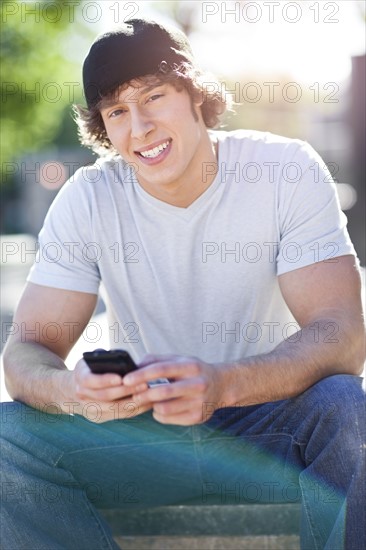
column 136, row 49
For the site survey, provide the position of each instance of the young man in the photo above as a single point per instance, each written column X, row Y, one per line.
column 206, row 266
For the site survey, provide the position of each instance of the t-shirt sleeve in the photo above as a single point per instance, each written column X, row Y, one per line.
column 67, row 252
column 312, row 226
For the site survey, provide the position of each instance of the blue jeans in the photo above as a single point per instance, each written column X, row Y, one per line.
column 57, row 470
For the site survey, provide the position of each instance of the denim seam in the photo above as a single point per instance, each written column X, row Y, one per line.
column 197, row 443
column 274, row 434
column 127, row 446
column 100, row 526
column 307, row 510
column 60, row 457
column 53, row 462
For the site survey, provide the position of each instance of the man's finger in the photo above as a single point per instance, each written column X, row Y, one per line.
column 154, row 358
column 99, row 381
column 170, row 370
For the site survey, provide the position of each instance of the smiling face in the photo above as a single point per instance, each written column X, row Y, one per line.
column 161, row 131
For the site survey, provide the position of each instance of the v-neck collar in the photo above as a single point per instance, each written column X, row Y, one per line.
column 187, row 213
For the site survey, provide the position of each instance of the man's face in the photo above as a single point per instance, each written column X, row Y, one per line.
column 153, row 126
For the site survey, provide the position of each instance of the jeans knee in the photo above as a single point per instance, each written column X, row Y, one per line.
column 339, row 401
column 10, row 415
column 16, row 417
column 341, row 389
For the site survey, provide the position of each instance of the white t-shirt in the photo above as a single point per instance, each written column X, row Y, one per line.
column 202, row 280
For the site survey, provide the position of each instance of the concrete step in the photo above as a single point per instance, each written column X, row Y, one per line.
column 238, row 526
column 281, row 542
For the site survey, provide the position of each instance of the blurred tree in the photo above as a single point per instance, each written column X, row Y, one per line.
column 37, row 79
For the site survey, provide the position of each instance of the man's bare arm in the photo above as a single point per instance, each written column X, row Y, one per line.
column 325, row 299
column 49, row 322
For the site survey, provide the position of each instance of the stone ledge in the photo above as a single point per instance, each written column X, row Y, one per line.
column 202, row 520
column 282, row 542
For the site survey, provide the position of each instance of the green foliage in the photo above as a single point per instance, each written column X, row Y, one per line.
column 34, row 74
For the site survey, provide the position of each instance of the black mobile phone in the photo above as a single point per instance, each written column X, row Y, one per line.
column 119, row 361
column 101, row 361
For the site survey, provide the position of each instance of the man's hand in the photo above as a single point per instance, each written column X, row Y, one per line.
column 103, row 397
column 194, row 393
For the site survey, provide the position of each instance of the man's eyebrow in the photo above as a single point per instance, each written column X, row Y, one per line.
column 113, row 100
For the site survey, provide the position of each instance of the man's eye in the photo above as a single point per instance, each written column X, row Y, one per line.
column 154, row 97
column 116, row 112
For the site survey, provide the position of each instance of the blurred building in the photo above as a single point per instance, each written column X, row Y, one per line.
column 38, row 178
column 357, row 123
column 337, row 133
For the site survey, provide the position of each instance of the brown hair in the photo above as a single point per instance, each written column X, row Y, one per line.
column 200, row 87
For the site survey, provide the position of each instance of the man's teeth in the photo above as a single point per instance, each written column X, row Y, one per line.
column 151, row 153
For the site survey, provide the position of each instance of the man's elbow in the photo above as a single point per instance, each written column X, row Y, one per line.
column 7, row 360
column 357, row 352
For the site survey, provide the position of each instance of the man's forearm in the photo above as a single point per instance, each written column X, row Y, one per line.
column 312, row 353
column 36, row 376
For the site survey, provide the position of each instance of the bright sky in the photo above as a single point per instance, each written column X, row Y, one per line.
column 310, row 40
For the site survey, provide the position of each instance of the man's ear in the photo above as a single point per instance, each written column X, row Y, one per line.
column 198, row 101
column 196, row 104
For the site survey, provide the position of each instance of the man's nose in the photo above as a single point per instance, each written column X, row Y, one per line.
column 141, row 124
